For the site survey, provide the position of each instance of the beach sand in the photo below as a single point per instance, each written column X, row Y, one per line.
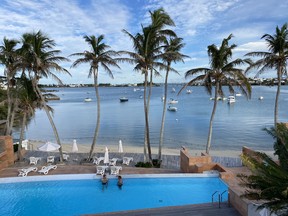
column 85, row 148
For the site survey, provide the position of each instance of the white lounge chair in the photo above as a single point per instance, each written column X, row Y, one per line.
column 115, row 170
column 34, row 160
column 97, row 160
column 100, row 170
column 46, row 169
column 113, row 162
column 24, row 172
column 127, row 160
column 50, row 159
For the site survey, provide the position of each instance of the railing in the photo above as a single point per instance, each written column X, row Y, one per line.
column 220, row 197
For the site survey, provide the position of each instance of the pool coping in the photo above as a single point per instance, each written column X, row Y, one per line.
column 93, row 176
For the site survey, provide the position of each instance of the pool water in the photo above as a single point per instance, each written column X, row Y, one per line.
column 75, row 197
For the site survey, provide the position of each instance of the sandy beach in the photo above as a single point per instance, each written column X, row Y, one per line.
column 85, row 148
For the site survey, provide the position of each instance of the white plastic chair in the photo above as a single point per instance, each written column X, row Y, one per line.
column 97, row 161
column 66, row 157
column 113, row 162
column 127, row 160
column 115, row 170
column 45, row 169
column 100, row 170
column 24, row 172
column 50, row 159
column 34, row 160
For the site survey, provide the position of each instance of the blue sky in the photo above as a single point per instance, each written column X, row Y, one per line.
column 199, row 22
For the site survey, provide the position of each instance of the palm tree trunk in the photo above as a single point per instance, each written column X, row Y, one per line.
column 277, row 98
column 98, row 113
column 20, row 157
column 13, row 112
column 38, row 92
column 9, row 104
column 211, row 119
column 146, row 118
column 163, row 115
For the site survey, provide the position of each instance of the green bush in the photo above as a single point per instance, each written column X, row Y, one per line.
column 145, row 165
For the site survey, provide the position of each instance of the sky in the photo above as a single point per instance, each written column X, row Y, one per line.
column 199, row 22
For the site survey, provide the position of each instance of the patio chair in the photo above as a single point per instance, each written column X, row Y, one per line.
column 97, row 160
column 34, row 160
column 66, row 157
column 24, row 172
column 115, row 170
column 100, row 170
column 50, row 159
column 127, row 160
column 45, row 169
column 113, row 162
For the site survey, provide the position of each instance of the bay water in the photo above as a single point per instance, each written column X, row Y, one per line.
column 235, row 125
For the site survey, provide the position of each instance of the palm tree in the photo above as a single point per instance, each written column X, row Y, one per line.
column 171, row 54
column 147, row 47
column 40, row 60
column 8, row 57
column 221, row 72
column 274, row 59
column 96, row 57
column 268, row 179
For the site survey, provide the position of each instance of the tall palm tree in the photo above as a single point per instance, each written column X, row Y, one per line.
column 148, row 46
column 268, row 179
column 221, row 72
column 28, row 102
column 276, row 58
column 96, row 57
column 40, row 60
column 8, row 57
column 171, row 54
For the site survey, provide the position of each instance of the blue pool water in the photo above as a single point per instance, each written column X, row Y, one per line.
column 75, row 197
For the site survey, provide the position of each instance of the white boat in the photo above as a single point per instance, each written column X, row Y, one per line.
column 173, row 90
column 172, row 101
column 238, row 94
column 172, row 108
column 261, row 98
column 123, row 99
column 87, row 99
column 231, row 99
column 189, row 91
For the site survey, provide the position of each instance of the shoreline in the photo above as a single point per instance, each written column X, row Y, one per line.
column 85, row 148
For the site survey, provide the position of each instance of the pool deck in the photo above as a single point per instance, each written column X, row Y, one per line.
column 197, row 210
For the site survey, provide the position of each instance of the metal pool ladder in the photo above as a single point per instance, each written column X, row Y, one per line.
column 220, row 197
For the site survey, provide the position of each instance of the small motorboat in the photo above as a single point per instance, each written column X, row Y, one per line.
column 231, row 99
column 238, row 94
column 261, row 98
column 173, row 90
column 172, row 101
column 123, row 99
column 189, row 91
column 172, row 108
column 87, row 99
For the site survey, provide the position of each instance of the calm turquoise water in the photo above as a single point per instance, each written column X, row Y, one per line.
column 77, row 197
column 234, row 125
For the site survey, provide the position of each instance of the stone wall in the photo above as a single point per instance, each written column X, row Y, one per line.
column 7, row 151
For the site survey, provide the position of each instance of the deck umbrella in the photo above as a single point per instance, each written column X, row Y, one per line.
column 49, row 146
column 106, row 156
column 74, row 146
column 120, row 147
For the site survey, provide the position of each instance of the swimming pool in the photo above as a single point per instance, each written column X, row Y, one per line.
column 87, row 196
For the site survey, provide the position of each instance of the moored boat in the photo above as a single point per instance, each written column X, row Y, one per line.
column 123, row 99
column 87, row 99
column 231, row 99
column 172, row 108
column 172, row 101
